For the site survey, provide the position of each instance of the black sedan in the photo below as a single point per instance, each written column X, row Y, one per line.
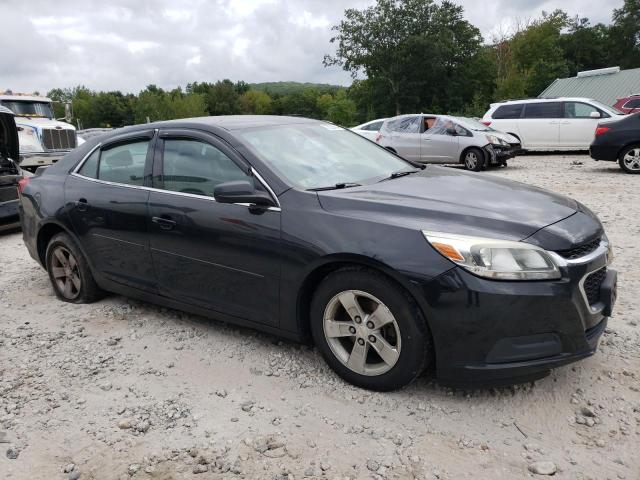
column 619, row 140
column 306, row 230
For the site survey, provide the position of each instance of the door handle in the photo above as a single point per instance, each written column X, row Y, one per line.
column 82, row 205
column 164, row 223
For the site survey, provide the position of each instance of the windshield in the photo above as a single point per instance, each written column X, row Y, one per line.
column 606, row 108
column 473, row 124
column 322, row 155
column 29, row 109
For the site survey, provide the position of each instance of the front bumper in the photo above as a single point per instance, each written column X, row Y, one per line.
column 33, row 160
column 504, row 332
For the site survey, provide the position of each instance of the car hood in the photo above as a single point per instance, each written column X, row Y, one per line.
column 9, row 138
column 448, row 200
column 504, row 136
column 40, row 122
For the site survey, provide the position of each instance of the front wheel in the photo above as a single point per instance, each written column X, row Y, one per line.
column 369, row 330
column 474, row 159
column 629, row 159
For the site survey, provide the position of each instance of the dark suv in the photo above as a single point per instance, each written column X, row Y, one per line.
column 309, row 231
column 10, row 173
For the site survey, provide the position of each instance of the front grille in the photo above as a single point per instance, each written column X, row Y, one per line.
column 592, row 285
column 580, row 251
column 58, row 139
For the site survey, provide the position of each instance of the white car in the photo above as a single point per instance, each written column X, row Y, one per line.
column 370, row 129
column 550, row 123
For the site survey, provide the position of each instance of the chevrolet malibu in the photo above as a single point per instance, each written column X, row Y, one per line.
column 306, row 230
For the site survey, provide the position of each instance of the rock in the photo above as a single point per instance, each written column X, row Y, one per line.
column 543, row 468
column 75, row 475
column 125, row 424
column 587, row 412
column 222, row 393
column 4, row 437
column 69, row 468
column 106, row 386
column 142, row 426
column 247, row 406
column 200, row 468
column 12, row 453
column 133, row 469
column 372, row 465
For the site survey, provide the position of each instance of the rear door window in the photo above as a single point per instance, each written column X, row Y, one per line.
column 543, row 110
column 634, row 103
column 124, row 163
column 408, row 125
column 511, row 111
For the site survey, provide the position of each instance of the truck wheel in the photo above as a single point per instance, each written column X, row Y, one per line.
column 369, row 330
column 69, row 271
column 629, row 159
column 474, row 159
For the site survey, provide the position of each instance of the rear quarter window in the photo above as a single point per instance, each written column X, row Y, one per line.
column 508, row 111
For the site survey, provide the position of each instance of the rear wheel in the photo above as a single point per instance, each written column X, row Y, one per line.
column 474, row 159
column 629, row 159
column 369, row 330
column 69, row 272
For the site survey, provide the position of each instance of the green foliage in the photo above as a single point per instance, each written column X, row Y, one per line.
column 256, row 102
column 287, row 88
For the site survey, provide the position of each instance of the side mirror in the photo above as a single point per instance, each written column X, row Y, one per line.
column 595, row 115
column 241, row 191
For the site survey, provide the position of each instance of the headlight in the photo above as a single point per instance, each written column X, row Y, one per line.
column 496, row 141
column 496, row 259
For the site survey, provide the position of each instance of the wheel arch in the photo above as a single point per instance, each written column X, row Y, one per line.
column 628, row 145
column 331, row 263
column 45, row 233
column 470, row 147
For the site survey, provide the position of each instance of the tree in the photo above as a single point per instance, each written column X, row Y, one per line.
column 414, row 46
column 255, row 102
column 625, row 35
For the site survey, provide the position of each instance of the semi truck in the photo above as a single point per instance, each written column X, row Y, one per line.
column 43, row 139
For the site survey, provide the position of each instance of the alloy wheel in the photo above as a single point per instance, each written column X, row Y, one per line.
column 632, row 159
column 471, row 160
column 64, row 269
column 362, row 332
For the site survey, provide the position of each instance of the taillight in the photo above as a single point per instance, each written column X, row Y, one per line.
column 378, row 137
column 22, row 183
column 601, row 130
column 485, row 122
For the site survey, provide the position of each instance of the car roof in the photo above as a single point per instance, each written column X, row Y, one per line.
column 542, row 100
column 237, row 122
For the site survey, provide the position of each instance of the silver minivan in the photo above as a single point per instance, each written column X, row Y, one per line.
column 429, row 138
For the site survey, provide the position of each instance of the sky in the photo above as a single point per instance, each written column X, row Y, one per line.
column 128, row 44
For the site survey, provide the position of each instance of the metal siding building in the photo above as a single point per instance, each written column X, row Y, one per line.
column 606, row 85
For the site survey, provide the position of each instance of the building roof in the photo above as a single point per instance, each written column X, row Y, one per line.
column 606, row 85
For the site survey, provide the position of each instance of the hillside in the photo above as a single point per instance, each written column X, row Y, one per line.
column 286, row 88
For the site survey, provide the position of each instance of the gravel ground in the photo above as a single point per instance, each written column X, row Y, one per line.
column 123, row 389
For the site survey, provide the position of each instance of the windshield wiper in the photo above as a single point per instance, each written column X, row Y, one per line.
column 401, row 173
column 337, row 186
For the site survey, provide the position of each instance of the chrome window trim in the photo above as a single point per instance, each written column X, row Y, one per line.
column 84, row 159
column 253, row 171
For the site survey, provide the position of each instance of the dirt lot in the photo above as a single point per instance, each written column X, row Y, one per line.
column 122, row 389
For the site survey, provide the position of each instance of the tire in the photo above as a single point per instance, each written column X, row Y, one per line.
column 405, row 340
column 69, row 271
column 474, row 159
column 629, row 159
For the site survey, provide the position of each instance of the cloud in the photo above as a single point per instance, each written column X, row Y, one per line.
column 126, row 44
